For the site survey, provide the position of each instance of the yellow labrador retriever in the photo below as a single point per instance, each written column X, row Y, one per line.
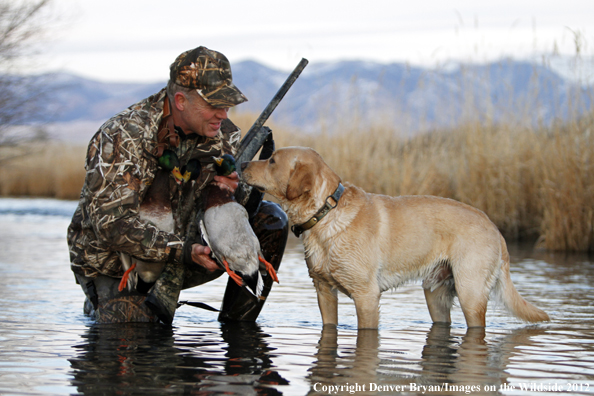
column 364, row 244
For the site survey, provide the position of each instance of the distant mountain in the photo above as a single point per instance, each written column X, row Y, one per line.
column 76, row 98
column 342, row 93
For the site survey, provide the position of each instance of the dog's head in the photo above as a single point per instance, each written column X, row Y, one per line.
column 297, row 176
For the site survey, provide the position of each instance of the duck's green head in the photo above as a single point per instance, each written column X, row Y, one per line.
column 224, row 165
column 192, row 170
column 169, row 160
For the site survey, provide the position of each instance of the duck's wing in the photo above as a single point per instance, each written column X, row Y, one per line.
column 207, row 241
column 232, row 238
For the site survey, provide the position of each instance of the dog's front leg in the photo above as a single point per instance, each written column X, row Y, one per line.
column 327, row 301
column 367, row 306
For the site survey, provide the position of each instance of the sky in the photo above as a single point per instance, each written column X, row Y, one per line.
column 137, row 40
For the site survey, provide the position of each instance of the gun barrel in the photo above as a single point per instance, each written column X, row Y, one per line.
column 247, row 150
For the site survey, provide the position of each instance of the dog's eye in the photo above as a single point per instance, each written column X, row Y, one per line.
column 271, row 160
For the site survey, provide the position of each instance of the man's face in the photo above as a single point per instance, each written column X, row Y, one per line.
column 200, row 117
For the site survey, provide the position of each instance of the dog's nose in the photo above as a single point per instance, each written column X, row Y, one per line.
column 244, row 165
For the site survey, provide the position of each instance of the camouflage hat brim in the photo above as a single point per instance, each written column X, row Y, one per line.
column 227, row 95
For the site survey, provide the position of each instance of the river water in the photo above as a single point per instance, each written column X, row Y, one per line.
column 48, row 347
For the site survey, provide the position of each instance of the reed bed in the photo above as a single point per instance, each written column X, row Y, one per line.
column 532, row 183
column 43, row 170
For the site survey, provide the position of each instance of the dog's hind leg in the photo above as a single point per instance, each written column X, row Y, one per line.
column 474, row 306
column 367, row 305
column 473, row 295
column 327, row 302
column 439, row 302
column 439, row 292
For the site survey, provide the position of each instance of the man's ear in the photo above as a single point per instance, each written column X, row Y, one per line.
column 300, row 181
column 180, row 101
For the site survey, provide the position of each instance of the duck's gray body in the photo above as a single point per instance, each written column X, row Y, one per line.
column 231, row 238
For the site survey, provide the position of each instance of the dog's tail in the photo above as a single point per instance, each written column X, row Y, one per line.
column 510, row 297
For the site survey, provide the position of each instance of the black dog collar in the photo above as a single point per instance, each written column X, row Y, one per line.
column 299, row 229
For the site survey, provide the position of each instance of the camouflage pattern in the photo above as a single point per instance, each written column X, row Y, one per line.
column 120, row 168
column 164, row 295
column 105, row 304
column 209, row 72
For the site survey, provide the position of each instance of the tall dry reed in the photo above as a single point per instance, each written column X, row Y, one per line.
column 50, row 170
column 567, row 188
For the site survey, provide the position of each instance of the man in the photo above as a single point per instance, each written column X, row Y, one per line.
column 188, row 121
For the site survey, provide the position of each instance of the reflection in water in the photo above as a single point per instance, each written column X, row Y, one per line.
column 467, row 363
column 148, row 359
column 448, row 364
column 354, row 371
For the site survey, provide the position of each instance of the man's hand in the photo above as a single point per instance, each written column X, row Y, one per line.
column 201, row 256
column 228, row 182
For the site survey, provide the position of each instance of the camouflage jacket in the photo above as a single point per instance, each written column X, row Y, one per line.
column 120, row 166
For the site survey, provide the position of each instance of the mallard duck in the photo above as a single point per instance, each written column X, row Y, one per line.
column 156, row 209
column 227, row 231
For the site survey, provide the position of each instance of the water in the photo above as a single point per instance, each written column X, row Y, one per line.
column 48, row 347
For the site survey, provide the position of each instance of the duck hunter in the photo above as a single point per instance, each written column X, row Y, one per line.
column 142, row 199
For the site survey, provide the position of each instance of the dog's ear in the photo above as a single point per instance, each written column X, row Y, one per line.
column 300, row 182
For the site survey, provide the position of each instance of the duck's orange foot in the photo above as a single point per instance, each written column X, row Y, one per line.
column 233, row 275
column 270, row 269
column 125, row 277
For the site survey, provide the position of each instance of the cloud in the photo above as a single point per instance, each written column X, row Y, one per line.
column 123, row 40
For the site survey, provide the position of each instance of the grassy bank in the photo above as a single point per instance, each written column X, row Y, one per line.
column 536, row 183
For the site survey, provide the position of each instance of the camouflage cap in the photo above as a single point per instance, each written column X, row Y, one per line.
column 209, row 72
